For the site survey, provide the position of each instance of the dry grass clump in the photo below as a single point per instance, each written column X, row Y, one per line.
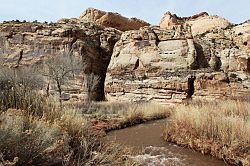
column 140, row 113
column 31, row 140
column 107, row 116
column 52, row 135
column 220, row 128
column 18, row 89
column 25, row 99
column 103, row 109
column 145, row 112
column 130, row 112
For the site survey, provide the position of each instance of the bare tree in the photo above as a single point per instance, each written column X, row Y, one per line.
column 60, row 68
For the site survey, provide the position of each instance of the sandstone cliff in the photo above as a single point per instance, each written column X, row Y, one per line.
column 199, row 23
column 157, row 63
column 37, row 41
column 154, row 47
column 109, row 19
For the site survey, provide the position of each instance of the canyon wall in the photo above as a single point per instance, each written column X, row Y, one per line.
column 32, row 43
column 159, row 63
column 201, row 55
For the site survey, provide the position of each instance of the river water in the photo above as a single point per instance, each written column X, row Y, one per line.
column 154, row 151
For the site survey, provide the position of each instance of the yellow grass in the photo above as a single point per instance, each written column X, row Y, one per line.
column 220, row 128
column 139, row 113
column 145, row 112
column 53, row 135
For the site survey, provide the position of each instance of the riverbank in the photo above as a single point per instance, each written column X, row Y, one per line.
column 38, row 130
column 151, row 149
column 115, row 118
column 52, row 133
column 218, row 128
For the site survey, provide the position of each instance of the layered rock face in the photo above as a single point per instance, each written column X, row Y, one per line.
column 198, row 56
column 109, row 19
column 37, row 41
column 199, row 23
column 157, row 63
column 154, row 48
column 226, row 50
column 138, row 66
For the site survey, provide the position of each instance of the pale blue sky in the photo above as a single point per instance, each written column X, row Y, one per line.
column 150, row 10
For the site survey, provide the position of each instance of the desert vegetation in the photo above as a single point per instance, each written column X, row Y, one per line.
column 38, row 129
column 219, row 128
column 52, row 136
column 140, row 113
column 19, row 89
column 61, row 68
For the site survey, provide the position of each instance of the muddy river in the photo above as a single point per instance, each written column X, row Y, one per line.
column 154, row 151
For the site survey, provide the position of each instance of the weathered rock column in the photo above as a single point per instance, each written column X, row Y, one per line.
column 96, row 55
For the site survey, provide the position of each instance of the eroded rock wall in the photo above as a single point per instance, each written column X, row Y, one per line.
column 154, row 48
column 199, row 23
column 39, row 41
column 149, row 63
column 155, row 63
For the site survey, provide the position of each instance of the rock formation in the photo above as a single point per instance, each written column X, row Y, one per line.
column 216, row 51
column 109, row 19
column 145, row 63
column 38, row 41
column 199, row 23
column 154, row 47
